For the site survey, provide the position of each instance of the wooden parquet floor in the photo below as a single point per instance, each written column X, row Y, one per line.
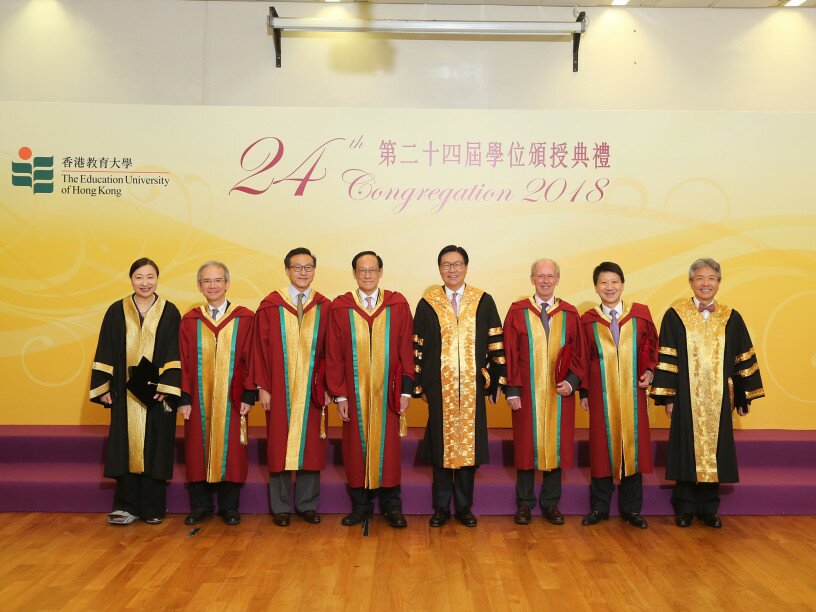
column 77, row 562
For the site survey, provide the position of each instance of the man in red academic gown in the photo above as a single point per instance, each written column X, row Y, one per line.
column 621, row 354
column 287, row 365
column 369, row 371
column 213, row 339
column 544, row 352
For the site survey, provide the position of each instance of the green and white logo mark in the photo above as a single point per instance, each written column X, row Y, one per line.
column 37, row 173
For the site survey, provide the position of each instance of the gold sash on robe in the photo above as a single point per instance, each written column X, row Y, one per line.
column 140, row 340
column 299, row 343
column 705, row 344
column 371, row 360
column 620, row 391
column 216, row 362
column 458, row 374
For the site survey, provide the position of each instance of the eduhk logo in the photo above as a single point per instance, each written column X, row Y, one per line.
column 36, row 173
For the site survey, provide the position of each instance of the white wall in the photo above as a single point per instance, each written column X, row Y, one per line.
column 220, row 53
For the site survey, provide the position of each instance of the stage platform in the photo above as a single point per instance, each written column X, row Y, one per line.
column 59, row 469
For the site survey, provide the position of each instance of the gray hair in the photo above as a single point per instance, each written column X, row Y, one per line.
column 545, row 260
column 705, row 262
column 212, row 263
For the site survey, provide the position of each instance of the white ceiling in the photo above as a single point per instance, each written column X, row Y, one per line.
column 591, row 3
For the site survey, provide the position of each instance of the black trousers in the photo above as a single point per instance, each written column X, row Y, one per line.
column 550, row 488
column 141, row 495
column 456, row 484
column 201, row 495
column 362, row 499
column 630, row 494
column 699, row 498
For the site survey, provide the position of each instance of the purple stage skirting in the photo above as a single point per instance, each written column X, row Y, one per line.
column 59, row 469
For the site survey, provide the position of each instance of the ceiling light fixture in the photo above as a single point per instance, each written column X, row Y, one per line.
column 430, row 27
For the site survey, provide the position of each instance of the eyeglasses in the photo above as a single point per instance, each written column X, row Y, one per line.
column 217, row 282
column 308, row 268
column 456, row 265
column 367, row 271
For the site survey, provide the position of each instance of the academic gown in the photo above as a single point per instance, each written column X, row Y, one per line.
column 619, row 433
column 289, row 361
column 544, row 426
column 456, row 381
column 370, row 361
column 141, row 439
column 706, row 368
column 213, row 369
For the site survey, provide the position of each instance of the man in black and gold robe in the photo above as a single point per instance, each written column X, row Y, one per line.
column 459, row 360
column 707, row 367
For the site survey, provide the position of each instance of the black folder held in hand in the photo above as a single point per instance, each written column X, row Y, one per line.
column 143, row 380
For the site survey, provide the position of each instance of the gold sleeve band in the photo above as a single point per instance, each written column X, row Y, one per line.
column 752, row 395
column 102, row 367
column 486, row 375
column 495, row 346
column 663, row 392
column 418, row 340
column 168, row 390
column 667, row 367
column 745, row 356
column 100, row 390
column 170, row 365
column 418, row 354
column 748, row 371
column 665, row 350
column 418, row 390
column 502, row 380
column 499, row 360
column 418, row 369
column 494, row 331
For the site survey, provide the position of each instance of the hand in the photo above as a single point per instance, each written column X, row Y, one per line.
column 424, row 399
column 327, row 399
column 564, row 388
column 245, row 408
column 514, row 403
column 265, row 397
column 106, row 400
column 342, row 410
column 742, row 410
column 159, row 397
column 185, row 411
column 404, row 402
column 492, row 398
column 646, row 379
column 669, row 408
column 585, row 404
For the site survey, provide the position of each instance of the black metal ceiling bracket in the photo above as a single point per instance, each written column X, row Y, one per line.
column 276, row 32
column 576, row 40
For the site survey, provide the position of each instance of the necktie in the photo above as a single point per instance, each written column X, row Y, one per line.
column 709, row 308
column 455, row 305
column 545, row 320
column 369, row 304
column 300, row 307
column 214, row 313
column 614, row 327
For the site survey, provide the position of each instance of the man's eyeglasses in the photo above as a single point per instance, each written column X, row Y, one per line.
column 367, row 271
column 308, row 268
column 456, row 265
column 217, row 282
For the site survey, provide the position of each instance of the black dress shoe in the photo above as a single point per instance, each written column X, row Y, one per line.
column 553, row 516
column 439, row 518
column 466, row 518
column 281, row 519
column 683, row 519
column 230, row 517
column 197, row 516
column 635, row 520
column 595, row 517
column 523, row 515
column 395, row 518
column 711, row 520
column 355, row 518
column 310, row 516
